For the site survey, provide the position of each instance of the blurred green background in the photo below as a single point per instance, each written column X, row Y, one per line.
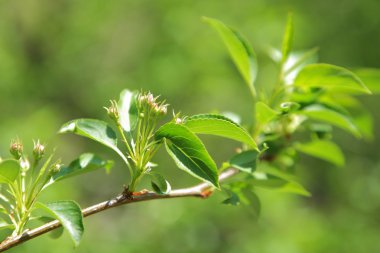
column 65, row 59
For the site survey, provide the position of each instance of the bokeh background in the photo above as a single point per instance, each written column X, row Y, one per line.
column 65, row 59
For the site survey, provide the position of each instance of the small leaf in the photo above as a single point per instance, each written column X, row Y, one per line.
column 321, row 113
column 69, row 214
column 264, row 113
column 287, row 42
column 188, row 152
column 128, row 110
column 245, row 161
column 323, row 149
column 9, row 170
column 232, row 200
column 370, row 77
column 85, row 163
column 219, row 125
column 94, row 129
column 159, row 184
column 242, row 55
column 330, row 77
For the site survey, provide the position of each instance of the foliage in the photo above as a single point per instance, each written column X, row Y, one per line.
column 298, row 115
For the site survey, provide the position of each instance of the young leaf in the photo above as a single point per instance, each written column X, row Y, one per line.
column 85, row 163
column 264, row 113
column 159, row 184
column 94, row 129
column 9, row 170
column 245, row 161
column 214, row 124
column 323, row 149
column 188, row 152
column 128, row 110
column 239, row 50
column 371, row 78
column 69, row 214
column 330, row 77
column 321, row 113
column 297, row 61
column 287, row 42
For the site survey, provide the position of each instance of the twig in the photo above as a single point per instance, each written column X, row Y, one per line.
column 203, row 190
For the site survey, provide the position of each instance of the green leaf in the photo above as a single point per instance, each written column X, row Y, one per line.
column 219, row 125
column 264, row 113
column 5, row 225
column 69, row 214
column 128, row 110
column 287, row 42
column 281, row 185
column 297, row 61
column 188, row 152
column 56, row 233
column 321, row 113
column 9, row 170
column 245, row 161
column 242, row 193
column 272, row 171
column 242, row 55
column 330, row 77
column 322, row 149
column 370, row 77
column 159, row 184
column 85, row 163
column 96, row 130
column 232, row 200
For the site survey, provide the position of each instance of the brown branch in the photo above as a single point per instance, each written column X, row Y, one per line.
column 203, row 190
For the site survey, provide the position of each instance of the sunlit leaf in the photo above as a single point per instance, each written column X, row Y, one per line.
column 9, row 170
column 240, row 51
column 330, row 77
column 321, row 113
column 264, row 113
column 323, row 149
column 297, row 61
column 370, row 77
column 219, row 125
column 287, row 41
column 5, row 225
column 70, row 216
column 128, row 110
column 85, row 163
column 188, row 152
column 94, row 129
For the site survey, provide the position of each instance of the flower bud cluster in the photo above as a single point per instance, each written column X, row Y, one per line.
column 38, row 150
column 16, row 148
column 113, row 111
column 149, row 102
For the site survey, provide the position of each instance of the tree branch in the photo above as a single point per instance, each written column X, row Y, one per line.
column 203, row 190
